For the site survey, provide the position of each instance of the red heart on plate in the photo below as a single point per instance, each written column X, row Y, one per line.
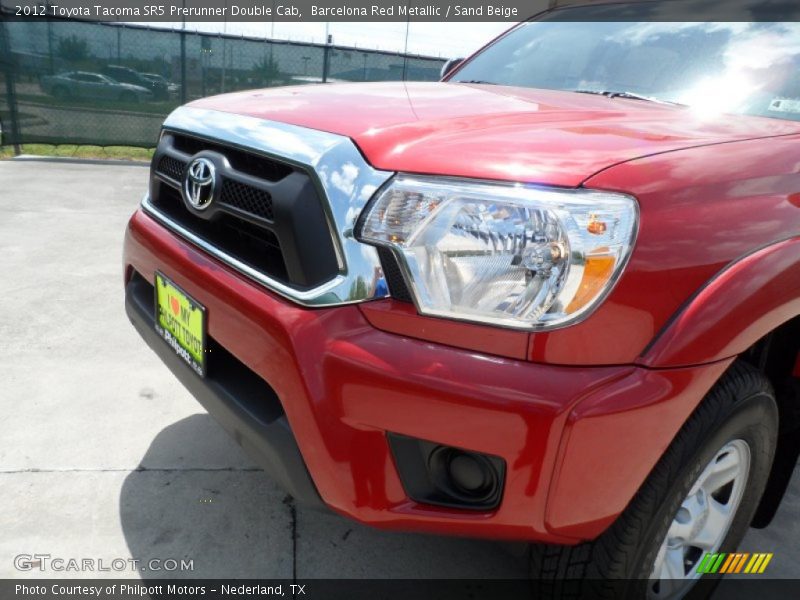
column 175, row 305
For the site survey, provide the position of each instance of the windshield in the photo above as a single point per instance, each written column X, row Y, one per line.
column 745, row 68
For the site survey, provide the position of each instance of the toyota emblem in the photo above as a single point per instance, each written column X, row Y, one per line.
column 199, row 183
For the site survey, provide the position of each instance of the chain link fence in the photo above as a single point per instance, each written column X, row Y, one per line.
column 73, row 82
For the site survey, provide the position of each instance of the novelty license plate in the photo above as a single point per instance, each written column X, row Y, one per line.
column 181, row 321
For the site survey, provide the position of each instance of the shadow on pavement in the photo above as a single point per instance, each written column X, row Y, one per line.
column 195, row 496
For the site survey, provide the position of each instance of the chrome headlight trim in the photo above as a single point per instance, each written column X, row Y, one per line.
column 397, row 225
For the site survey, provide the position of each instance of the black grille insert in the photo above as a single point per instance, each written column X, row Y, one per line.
column 268, row 214
column 394, row 277
column 256, row 247
column 241, row 160
column 171, row 167
column 247, row 198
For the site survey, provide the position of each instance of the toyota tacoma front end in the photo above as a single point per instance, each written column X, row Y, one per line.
column 532, row 307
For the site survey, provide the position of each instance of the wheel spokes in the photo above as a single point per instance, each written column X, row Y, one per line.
column 722, row 472
column 718, row 517
column 674, row 566
column 702, row 521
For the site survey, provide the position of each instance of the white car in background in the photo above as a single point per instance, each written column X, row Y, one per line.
column 83, row 84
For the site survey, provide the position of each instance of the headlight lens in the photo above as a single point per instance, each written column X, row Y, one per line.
column 512, row 255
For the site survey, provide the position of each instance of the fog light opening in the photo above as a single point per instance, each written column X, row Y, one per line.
column 469, row 473
column 463, row 475
column 439, row 475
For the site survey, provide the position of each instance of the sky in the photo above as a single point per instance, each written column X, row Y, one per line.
column 456, row 40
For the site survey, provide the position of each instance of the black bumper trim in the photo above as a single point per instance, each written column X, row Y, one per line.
column 240, row 401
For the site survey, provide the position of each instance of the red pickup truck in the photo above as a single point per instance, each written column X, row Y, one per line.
column 552, row 298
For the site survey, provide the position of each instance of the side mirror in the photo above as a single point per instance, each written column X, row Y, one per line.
column 449, row 66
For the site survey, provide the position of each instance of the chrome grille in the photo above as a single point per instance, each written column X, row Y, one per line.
column 314, row 185
column 241, row 218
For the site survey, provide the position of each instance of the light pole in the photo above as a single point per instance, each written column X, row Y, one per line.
column 272, row 32
column 405, row 52
column 224, row 47
column 50, row 39
column 183, row 57
column 326, row 52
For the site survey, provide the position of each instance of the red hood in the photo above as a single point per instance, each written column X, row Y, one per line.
column 492, row 132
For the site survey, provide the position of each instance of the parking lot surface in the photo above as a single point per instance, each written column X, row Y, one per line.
column 104, row 455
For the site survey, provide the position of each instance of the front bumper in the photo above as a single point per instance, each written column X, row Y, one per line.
column 577, row 442
column 242, row 403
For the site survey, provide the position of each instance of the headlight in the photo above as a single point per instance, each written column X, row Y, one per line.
column 519, row 256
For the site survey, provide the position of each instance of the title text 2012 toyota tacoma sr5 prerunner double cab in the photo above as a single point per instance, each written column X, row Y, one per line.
column 551, row 298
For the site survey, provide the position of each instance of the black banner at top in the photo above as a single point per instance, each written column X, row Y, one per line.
column 402, row 10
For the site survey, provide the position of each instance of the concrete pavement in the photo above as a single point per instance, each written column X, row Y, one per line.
column 104, row 455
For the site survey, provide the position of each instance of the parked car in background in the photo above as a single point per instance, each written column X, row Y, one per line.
column 84, row 84
column 173, row 89
column 159, row 88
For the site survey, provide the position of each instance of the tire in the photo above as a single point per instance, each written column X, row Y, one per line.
column 740, row 410
column 129, row 97
column 61, row 93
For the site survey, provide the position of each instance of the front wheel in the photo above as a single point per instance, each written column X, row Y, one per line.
column 699, row 499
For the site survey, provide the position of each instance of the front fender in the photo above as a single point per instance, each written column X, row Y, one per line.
column 749, row 298
column 613, row 439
